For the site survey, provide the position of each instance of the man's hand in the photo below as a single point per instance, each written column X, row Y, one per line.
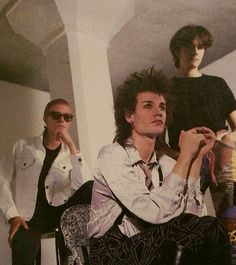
column 189, row 142
column 15, row 223
column 65, row 137
column 196, row 142
column 208, row 143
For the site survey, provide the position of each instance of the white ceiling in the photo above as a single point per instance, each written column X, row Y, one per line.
column 143, row 41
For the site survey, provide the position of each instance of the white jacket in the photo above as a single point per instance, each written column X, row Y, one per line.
column 19, row 174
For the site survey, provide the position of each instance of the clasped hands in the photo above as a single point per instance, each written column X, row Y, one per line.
column 196, row 142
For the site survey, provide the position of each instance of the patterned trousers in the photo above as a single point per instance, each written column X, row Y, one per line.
column 205, row 237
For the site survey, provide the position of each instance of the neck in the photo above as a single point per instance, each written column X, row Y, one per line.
column 144, row 145
column 189, row 72
column 51, row 141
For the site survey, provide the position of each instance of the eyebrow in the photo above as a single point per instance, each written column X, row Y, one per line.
column 150, row 101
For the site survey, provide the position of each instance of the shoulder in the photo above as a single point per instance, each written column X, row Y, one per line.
column 167, row 163
column 166, row 160
column 112, row 156
column 114, row 149
column 213, row 78
column 28, row 141
column 25, row 141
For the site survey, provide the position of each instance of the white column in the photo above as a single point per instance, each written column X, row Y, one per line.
column 92, row 92
column 89, row 26
column 74, row 35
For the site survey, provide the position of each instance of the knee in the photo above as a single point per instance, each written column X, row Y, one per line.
column 215, row 229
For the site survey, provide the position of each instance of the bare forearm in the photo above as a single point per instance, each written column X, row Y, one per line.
column 182, row 166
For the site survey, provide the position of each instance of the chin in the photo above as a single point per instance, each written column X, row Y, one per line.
column 157, row 133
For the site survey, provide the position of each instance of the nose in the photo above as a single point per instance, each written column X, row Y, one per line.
column 61, row 119
column 158, row 112
column 194, row 49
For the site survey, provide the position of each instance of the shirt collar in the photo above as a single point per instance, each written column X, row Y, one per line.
column 135, row 157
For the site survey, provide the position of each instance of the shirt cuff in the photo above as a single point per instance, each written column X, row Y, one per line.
column 12, row 212
column 175, row 182
column 193, row 184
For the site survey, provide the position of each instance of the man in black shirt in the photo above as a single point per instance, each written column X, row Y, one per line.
column 200, row 100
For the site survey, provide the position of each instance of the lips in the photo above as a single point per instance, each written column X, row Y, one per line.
column 194, row 59
column 159, row 122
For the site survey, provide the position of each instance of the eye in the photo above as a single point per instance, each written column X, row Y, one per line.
column 68, row 117
column 163, row 107
column 147, row 106
column 200, row 46
column 55, row 115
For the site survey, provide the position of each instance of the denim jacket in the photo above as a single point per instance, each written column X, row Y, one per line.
column 19, row 174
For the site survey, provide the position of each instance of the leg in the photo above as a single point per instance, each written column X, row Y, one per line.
column 25, row 247
column 114, row 248
column 81, row 196
column 110, row 249
column 204, row 241
column 205, row 236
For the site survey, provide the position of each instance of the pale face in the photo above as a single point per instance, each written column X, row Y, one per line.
column 191, row 56
column 149, row 118
column 57, row 125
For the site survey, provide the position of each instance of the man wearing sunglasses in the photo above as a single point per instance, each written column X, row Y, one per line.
column 41, row 178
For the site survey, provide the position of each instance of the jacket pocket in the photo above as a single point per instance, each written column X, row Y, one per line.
column 64, row 166
column 25, row 163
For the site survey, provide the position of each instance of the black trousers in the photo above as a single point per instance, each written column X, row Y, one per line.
column 205, row 238
column 26, row 243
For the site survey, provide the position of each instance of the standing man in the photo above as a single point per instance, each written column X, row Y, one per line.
column 200, row 100
column 39, row 180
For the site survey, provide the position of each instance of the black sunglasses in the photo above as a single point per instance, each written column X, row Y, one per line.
column 57, row 116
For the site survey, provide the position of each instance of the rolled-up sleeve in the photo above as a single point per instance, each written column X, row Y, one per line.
column 195, row 202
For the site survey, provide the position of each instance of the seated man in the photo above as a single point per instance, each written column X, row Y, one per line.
column 142, row 199
column 39, row 180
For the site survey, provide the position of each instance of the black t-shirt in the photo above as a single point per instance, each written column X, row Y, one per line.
column 199, row 101
column 45, row 216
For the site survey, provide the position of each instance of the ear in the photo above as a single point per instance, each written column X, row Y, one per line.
column 129, row 117
column 44, row 119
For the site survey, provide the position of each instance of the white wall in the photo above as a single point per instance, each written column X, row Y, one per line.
column 225, row 68
column 21, row 111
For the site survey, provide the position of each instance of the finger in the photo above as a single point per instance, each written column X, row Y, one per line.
column 181, row 136
column 12, row 232
column 204, row 130
column 25, row 225
column 200, row 137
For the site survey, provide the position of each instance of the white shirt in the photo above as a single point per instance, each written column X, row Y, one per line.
column 19, row 174
column 119, row 183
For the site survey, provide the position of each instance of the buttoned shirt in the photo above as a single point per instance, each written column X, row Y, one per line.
column 119, row 185
column 19, row 175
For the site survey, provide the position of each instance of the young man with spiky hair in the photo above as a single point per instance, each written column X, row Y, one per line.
column 143, row 201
